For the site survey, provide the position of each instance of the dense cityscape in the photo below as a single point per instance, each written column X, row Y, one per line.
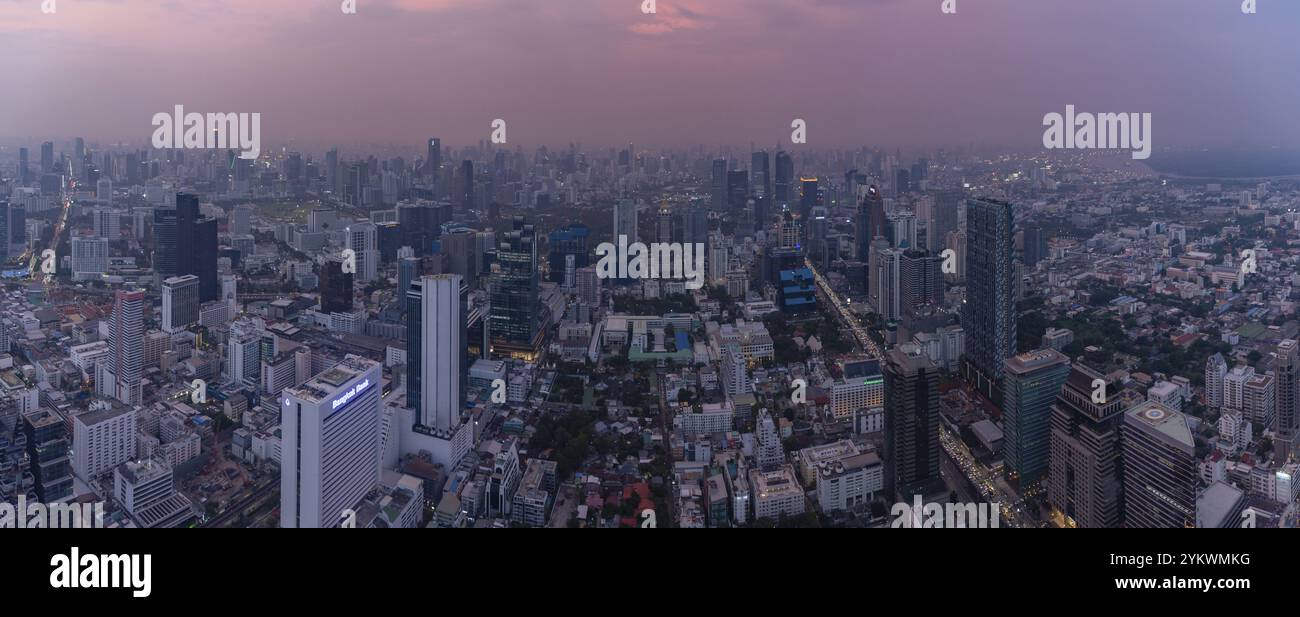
column 434, row 340
column 649, row 264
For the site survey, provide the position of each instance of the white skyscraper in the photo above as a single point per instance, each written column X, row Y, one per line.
column 330, row 453
column 1215, row 370
column 180, row 302
column 770, row 453
column 363, row 238
column 439, row 346
column 128, row 345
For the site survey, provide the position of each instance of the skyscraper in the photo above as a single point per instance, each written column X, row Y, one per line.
column 467, row 184
column 180, row 302
column 943, row 218
column 47, row 157
column 696, row 223
column 737, row 190
column 719, row 184
column 810, row 196
column 331, row 430
column 784, row 178
column 128, row 345
column 989, row 315
column 1084, row 471
column 335, row 287
column 436, row 357
column 184, row 243
column 1160, row 478
column 1033, row 383
column 1215, row 369
column 514, row 321
column 1286, row 371
column 570, row 240
column 24, row 167
column 911, row 423
column 363, row 239
column 921, row 280
column 760, row 175
column 433, row 159
column 625, row 220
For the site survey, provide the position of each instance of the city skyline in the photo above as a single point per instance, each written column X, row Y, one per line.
column 717, row 72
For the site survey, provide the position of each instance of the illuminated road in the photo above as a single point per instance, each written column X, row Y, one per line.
column 859, row 331
column 983, row 480
column 33, row 255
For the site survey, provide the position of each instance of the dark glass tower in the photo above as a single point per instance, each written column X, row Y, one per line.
column 513, row 289
column 1032, row 382
column 988, row 316
column 784, row 178
column 335, row 287
column 569, row 240
column 911, row 423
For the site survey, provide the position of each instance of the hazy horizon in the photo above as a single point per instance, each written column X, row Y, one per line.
column 885, row 73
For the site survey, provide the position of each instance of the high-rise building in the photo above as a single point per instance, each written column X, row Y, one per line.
column 335, row 287
column 570, row 240
column 363, row 240
column 1286, row 374
column 911, row 423
column 770, row 453
column 1035, row 239
column 989, row 314
column 944, row 214
column 47, row 454
column 47, row 157
column 180, row 302
column 719, row 184
column 902, row 182
column 128, row 345
column 921, row 274
column 89, row 258
column 782, row 189
column 1033, row 383
column 24, row 168
column 696, row 223
column 870, row 222
column 467, row 184
column 810, row 196
column 331, row 444
column 241, row 220
column 760, row 175
column 737, row 190
column 1084, row 485
column 436, row 360
column 625, row 220
column 1215, row 370
column 513, row 290
column 1160, row 478
column 186, row 243
column 886, row 282
column 102, row 439
column 433, row 159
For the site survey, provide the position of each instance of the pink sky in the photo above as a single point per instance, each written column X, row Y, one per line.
column 875, row 72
